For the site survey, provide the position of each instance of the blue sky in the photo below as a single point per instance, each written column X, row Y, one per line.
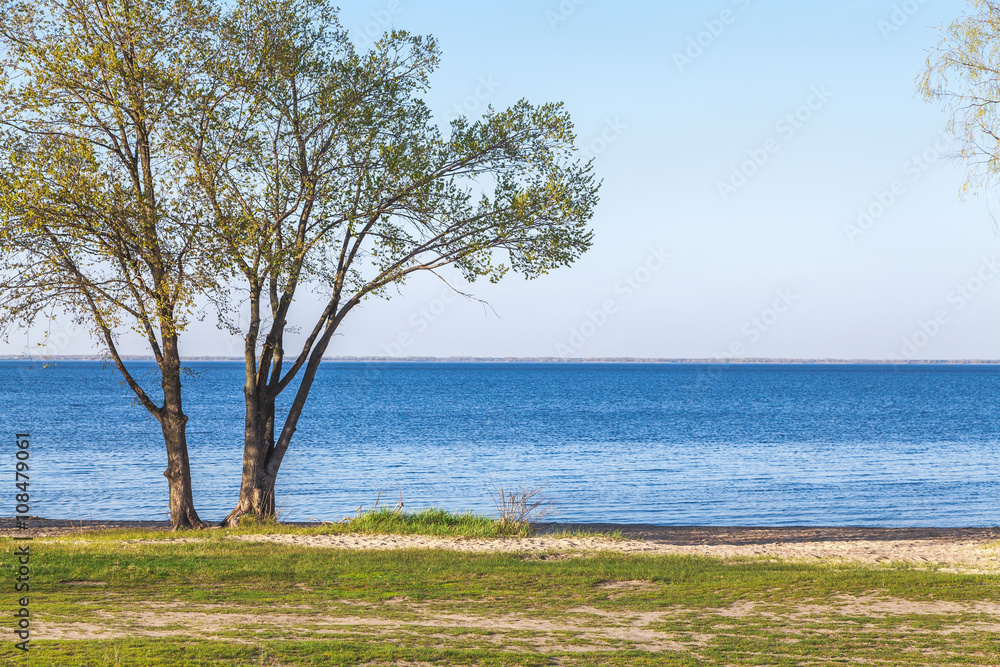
column 739, row 142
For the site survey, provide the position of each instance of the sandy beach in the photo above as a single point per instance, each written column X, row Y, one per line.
column 964, row 549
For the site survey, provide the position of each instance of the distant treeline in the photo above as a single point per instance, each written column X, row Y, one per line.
column 546, row 360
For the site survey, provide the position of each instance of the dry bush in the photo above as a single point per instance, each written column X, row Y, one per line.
column 521, row 507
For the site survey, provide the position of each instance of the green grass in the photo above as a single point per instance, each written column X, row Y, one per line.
column 429, row 522
column 221, row 602
column 383, row 521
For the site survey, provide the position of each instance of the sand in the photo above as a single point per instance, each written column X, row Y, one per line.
column 965, row 550
column 959, row 549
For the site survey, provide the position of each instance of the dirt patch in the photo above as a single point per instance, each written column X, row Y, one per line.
column 579, row 629
column 626, row 585
column 505, row 630
column 398, row 600
column 871, row 607
column 84, row 583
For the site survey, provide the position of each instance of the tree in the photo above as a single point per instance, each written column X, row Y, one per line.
column 323, row 168
column 963, row 73
column 94, row 218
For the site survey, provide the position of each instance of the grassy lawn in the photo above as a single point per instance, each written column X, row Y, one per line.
column 152, row 599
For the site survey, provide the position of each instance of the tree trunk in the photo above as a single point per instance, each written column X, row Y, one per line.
column 178, row 473
column 257, row 485
column 173, row 421
column 262, row 455
column 256, row 500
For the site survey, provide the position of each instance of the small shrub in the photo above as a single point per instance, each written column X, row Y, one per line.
column 518, row 509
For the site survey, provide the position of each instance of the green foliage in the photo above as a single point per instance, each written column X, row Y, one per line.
column 962, row 74
column 155, row 147
column 322, row 168
column 96, row 216
column 159, row 153
column 323, row 165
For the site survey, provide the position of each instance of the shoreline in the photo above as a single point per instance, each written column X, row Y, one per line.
column 681, row 535
column 966, row 550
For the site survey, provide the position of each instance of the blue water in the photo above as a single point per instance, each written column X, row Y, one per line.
column 662, row 444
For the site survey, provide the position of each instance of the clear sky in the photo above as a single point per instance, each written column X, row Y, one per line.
column 739, row 141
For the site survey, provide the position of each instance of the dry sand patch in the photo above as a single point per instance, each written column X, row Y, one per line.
column 966, row 550
column 590, row 629
column 969, row 554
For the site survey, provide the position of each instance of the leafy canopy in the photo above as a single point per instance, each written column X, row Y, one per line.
column 323, row 165
column 98, row 215
column 963, row 73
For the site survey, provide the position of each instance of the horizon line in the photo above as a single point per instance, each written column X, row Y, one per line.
column 578, row 360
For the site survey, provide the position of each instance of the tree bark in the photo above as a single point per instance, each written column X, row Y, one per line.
column 173, row 422
column 256, row 485
column 262, row 455
column 178, row 473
